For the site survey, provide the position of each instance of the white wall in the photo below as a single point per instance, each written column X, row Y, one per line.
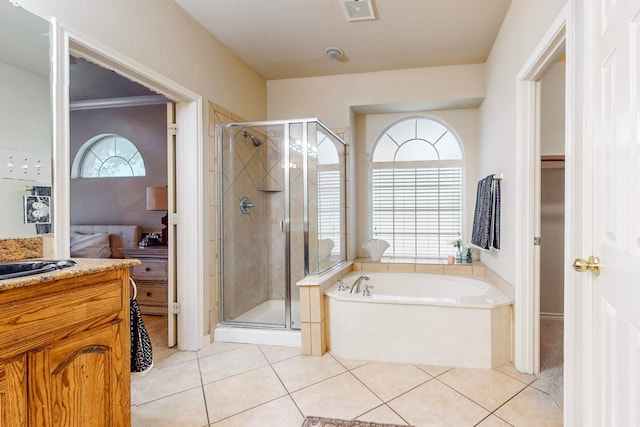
column 552, row 105
column 163, row 37
column 330, row 98
column 355, row 100
column 524, row 26
column 25, row 125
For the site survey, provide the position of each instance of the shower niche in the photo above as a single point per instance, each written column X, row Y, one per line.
column 283, row 216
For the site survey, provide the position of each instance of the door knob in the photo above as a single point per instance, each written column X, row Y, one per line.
column 593, row 263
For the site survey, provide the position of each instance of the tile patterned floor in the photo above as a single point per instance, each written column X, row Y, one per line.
column 244, row 385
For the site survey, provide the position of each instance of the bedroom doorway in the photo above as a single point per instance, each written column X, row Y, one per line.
column 188, row 266
column 122, row 158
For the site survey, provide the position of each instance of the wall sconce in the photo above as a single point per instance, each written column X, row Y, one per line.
column 157, row 201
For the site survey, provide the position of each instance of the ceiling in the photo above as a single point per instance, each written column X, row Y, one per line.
column 32, row 53
column 287, row 38
column 88, row 81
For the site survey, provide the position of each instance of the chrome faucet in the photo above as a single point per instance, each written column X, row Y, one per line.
column 356, row 284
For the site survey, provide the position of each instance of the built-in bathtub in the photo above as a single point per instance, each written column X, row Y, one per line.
column 428, row 319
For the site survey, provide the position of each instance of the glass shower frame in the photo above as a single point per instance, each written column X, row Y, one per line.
column 307, row 239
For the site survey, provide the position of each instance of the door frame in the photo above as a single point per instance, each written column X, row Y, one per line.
column 527, row 286
column 189, row 186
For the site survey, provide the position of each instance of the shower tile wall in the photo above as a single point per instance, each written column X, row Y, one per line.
column 274, row 182
column 254, row 252
column 245, row 245
column 217, row 116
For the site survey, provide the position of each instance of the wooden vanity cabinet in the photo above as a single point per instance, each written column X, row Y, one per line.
column 64, row 352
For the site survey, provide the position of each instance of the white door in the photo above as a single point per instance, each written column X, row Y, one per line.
column 607, row 322
column 171, row 203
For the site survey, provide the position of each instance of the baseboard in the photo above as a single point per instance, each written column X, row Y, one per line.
column 551, row 316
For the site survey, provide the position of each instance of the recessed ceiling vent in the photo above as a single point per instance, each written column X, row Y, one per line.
column 358, row 10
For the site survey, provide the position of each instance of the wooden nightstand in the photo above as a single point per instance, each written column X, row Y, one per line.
column 150, row 277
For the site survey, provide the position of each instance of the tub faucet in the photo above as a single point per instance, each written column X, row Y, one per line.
column 356, row 284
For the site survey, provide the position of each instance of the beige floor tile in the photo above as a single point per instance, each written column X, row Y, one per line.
column 276, row 353
column 531, row 408
column 220, row 347
column 302, row 371
column 488, row 388
column 512, row 372
column 162, row 382
column 390, row 380
column 382, row 414
column 176, row 358
column 435, row 404
column 350, row 363
column 186, row 409
column 339, row 397
column 434, row 371
column 232, row 362
column 244, row 391
column 281, row 412
column 493, row 421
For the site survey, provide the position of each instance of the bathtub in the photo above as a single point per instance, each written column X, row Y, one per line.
column 426, row 319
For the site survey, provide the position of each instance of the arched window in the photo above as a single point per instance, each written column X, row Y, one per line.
column 416, row 175
column 108, row 155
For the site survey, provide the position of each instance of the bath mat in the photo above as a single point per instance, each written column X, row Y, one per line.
column 332, row 422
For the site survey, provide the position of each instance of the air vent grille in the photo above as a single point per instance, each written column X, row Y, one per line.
column 358, row 10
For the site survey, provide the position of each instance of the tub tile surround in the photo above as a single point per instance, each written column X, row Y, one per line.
column 279, row 386
column 313, row 303
column 313, row 328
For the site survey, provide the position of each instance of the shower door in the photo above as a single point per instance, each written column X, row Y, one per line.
column 255, row 248
column 283, row 216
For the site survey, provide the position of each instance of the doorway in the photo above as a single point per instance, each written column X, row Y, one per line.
column 549, row 52
column 133, row 159
column 185, row 192
column 551, row 228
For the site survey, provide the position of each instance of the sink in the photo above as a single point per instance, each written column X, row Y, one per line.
column 10, row 270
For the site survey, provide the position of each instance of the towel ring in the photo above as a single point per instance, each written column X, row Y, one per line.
column 135, row 288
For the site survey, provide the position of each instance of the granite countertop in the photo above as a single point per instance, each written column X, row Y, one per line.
column 84, row 266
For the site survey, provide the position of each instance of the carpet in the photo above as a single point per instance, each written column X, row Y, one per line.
column 331, row 422
column 550, row 378
column 157, row 330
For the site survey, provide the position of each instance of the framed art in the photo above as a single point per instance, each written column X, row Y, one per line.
column 37, row 209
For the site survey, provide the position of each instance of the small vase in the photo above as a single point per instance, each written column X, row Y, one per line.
column 458, row 256
column 469, row 257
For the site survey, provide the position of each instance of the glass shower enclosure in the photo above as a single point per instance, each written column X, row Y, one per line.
column 283, row 198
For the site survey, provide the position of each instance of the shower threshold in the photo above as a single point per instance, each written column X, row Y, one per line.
column 262, row 325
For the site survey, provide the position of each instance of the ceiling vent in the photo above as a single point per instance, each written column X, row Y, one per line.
column 358, row 10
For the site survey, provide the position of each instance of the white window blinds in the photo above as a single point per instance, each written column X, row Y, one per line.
column 329, row 208
column 418, row 211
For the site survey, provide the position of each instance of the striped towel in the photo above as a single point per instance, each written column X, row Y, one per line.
column 486, row 218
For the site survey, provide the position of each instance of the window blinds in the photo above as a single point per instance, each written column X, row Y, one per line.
column 329, row 215
column 417, row 210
